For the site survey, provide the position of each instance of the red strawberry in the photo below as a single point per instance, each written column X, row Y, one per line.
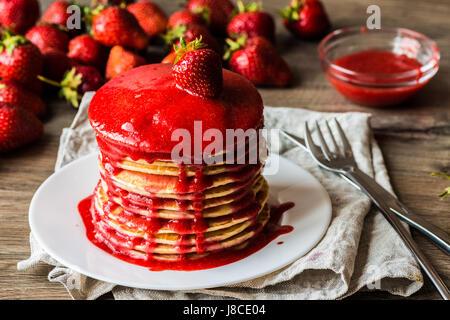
column 121, row 60
column 151, row 18
column 258, row 60
column 56, row 13
column 19, row 15
column 251, row 21
column 198, row 71
column 216, row 13
column 191, row 32
column 76, row 82
column 306, row 18
column 13, row 93
column 117, row 26
column 56, row 64
column 48, row 37
column 86, row 50
column 95, row 3
column 18, row 126
column 183, row 17
column 20, row 60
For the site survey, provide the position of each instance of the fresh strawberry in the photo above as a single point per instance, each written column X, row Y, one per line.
column 121, row 60
column 48, row 36
column 18, row 127
column 76, row 82
column 56, row 64
column 56, row 13
column 306, row 19
column 14, row 93
column 191, row 32
column 251, row 21
column 150, row 17
column 95, row 3
column 117, row 26
column 170, row 58
column 19, row 15
column 216, row 13
column 183, row 17
column 258, row 60
column 86, row 50
column 20, row 60
column 198, row 71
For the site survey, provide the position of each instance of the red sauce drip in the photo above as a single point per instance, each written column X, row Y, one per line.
column 212, row 260
column 372, row 85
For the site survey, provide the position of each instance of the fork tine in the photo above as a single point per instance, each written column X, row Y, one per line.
column 315, row 151
column 323, row 144
column 337, row 151
column 347, row 148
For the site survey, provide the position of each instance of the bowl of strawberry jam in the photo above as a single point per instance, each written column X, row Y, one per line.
column 378, row 68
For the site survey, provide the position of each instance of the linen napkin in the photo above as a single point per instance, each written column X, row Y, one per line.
column 360, row 250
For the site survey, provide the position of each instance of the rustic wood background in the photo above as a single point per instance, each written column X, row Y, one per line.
column 415, row 139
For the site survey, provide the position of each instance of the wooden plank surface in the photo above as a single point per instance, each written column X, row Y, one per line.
column 415, row 139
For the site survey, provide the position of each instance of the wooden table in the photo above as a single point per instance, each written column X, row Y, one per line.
column 415, row 139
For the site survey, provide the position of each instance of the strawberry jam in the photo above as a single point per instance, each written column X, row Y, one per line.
column 376, row 77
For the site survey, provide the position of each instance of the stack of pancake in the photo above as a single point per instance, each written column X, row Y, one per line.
column 164, row 210
column 148, row 206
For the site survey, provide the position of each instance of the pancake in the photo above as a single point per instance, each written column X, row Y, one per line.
column 171, row 209
column 147, row 184
column 122, row 242
column 144, row 225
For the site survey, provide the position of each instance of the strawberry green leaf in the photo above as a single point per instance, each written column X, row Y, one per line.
column 446, row 190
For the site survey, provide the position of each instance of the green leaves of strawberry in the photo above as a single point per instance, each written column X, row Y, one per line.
column 446, row 190
column 9, row 42
column 69, row 86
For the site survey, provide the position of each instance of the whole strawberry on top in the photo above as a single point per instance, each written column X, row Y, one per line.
column 183, row 17
column 198, row 71
column 258, row 60
column 18, row 126
column 76, row 82
column 306, row 19
column 251, row 21
column 86, row 50
column 20, row 60
column 19, row 15
column 150, row 17
column 13, row 93
column 215, row 13
column 121, row 60
column 46, row 36
column 117, row 26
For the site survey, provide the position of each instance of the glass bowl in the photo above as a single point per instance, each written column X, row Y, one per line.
column 378, row 89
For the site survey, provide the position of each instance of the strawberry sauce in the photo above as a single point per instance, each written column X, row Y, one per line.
column 378, row 77
column 216, row 259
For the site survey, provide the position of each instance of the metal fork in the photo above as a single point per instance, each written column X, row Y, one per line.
column 341, row 160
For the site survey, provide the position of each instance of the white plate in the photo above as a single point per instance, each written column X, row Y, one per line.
column 57, row 226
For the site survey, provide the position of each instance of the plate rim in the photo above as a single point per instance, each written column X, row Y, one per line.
column 100, row 277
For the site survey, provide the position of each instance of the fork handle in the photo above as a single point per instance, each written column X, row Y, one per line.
column 381, row 196
column 378, row 195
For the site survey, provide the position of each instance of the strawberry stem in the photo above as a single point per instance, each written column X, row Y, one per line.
column 182, row 48
column 234, row 45
column 291, row 12
column 49, row 81
column 11, row 41
column 446, row 190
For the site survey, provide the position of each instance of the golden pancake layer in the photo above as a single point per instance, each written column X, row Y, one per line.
column 167, row 211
